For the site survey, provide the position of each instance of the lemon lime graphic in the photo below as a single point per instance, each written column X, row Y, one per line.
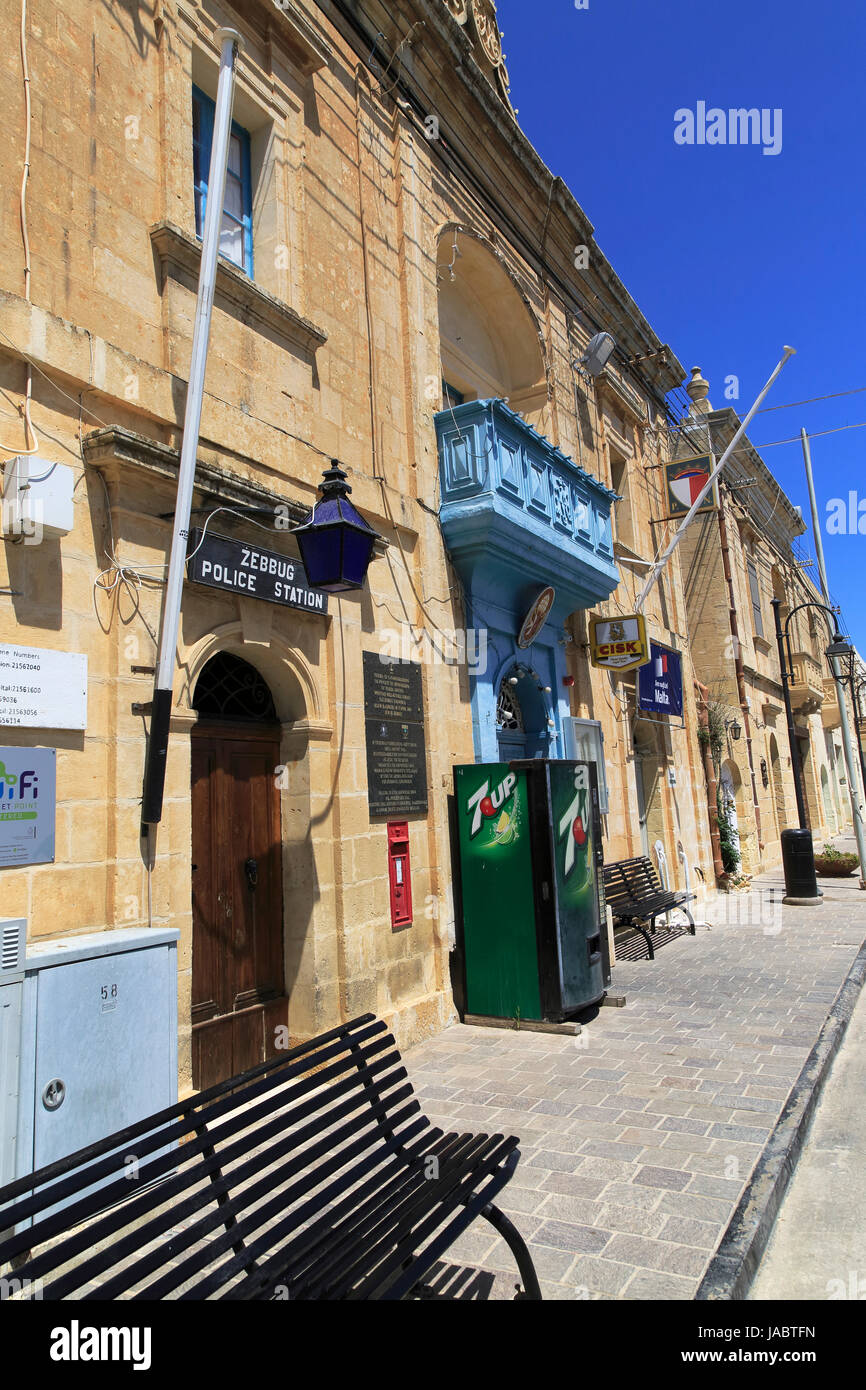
column 502, row 823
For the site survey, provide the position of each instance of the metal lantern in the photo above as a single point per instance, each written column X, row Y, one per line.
column 336, row 544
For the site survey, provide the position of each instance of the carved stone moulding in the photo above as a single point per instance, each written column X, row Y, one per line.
column 487, row 29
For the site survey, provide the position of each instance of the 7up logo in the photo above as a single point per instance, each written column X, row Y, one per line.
column 572, row 825
column 483, row 805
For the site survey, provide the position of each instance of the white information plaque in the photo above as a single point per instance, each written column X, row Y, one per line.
column 42, row 689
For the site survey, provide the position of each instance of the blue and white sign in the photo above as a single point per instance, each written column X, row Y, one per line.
column 27, row 805
column 660, row 682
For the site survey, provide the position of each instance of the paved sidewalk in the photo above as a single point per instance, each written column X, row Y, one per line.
column 639, row 1135
column 818, row 1246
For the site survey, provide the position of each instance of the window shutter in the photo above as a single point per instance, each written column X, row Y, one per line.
column 754, row 589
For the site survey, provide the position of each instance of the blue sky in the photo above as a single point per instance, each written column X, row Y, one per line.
column 729, row 252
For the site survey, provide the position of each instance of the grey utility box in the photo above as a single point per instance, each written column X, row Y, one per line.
column 98, row 1039
column 13, row 931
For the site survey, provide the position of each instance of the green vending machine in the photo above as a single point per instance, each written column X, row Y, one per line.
column 531, row 894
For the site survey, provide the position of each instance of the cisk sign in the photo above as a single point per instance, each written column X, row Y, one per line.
column 619, row 644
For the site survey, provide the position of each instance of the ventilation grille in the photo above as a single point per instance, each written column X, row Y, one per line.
column 12, row 945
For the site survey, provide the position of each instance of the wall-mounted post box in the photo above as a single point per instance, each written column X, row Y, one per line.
column 399, row 873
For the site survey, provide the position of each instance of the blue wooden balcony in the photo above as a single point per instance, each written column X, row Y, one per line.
column 516, row 511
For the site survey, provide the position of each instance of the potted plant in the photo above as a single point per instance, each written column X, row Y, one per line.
column 832, row 863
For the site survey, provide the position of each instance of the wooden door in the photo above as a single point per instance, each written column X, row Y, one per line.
column 238, row 989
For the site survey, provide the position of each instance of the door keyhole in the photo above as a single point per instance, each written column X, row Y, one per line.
column 251, row 869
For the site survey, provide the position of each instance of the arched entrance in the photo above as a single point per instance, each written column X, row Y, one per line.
column 521, row 716
column 729, row 784
column 238, row 989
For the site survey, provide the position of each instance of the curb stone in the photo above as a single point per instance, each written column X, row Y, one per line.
column 733, row 1267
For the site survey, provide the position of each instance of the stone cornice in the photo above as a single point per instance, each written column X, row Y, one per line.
column 180, row 256
column 123, row 447
column 280, row 22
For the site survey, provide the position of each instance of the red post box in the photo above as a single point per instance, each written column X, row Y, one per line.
column 399, row 873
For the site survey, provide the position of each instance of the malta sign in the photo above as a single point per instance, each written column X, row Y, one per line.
column 618, row 644
column 27, row 801
column 685, row 479
column 536, row 618
column 42, row 689
column 224, row 563
column 660, row 683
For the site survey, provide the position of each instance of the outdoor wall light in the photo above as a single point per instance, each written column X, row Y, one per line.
column 765, row 775
column 735, row 727
column 598, row 352
column 336, row 544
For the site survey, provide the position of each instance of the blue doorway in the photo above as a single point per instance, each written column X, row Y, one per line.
column 522, row 730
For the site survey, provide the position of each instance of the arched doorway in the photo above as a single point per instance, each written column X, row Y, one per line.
column 729, row 784
column 238, row 988
column 521, row 716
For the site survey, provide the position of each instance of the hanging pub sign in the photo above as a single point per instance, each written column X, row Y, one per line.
column 536, row 617
column 660, row 682
column 618, row 644
column 685, row 479
column 224, row 563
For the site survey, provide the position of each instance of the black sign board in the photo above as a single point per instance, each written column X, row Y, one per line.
column 224, row 563
column 396, row 753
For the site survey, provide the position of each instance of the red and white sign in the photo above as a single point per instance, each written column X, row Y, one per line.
column 686, row 479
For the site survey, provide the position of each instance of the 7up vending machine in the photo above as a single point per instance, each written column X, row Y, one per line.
column 531, row 894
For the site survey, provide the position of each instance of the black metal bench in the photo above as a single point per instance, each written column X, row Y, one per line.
column 636, row 897
column 312, row 1176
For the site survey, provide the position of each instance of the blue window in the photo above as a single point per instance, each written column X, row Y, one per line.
column 236, row 232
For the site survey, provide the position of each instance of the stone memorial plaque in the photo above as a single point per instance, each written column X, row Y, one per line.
column 396, row 751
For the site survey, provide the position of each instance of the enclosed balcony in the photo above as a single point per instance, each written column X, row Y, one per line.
column 807, row 690
column 517, row 511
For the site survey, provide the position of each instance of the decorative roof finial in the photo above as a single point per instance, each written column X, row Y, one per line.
column 699, row 389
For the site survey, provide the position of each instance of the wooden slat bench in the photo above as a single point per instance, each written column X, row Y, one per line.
column 312, row 1176
column 636, row 897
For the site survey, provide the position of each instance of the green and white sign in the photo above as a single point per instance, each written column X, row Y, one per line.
column 27, row 805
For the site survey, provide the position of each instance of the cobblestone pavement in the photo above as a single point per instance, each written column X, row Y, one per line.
column 638, row 1136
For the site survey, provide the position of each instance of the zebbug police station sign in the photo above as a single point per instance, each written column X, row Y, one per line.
column 224, row 563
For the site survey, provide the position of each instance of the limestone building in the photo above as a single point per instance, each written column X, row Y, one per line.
column 737, row 557
column 406, row 287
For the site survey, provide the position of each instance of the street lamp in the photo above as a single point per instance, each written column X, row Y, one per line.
column 336, row 544
column 857, row 683
column 801, row 885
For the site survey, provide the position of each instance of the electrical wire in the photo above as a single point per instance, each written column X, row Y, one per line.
column 833, row 395
column 29, row 432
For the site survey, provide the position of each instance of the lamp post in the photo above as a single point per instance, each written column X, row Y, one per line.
column 857, row 684
column 837, row 649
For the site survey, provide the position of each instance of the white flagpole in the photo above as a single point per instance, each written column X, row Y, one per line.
column 698, row 502
column 157, row 744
